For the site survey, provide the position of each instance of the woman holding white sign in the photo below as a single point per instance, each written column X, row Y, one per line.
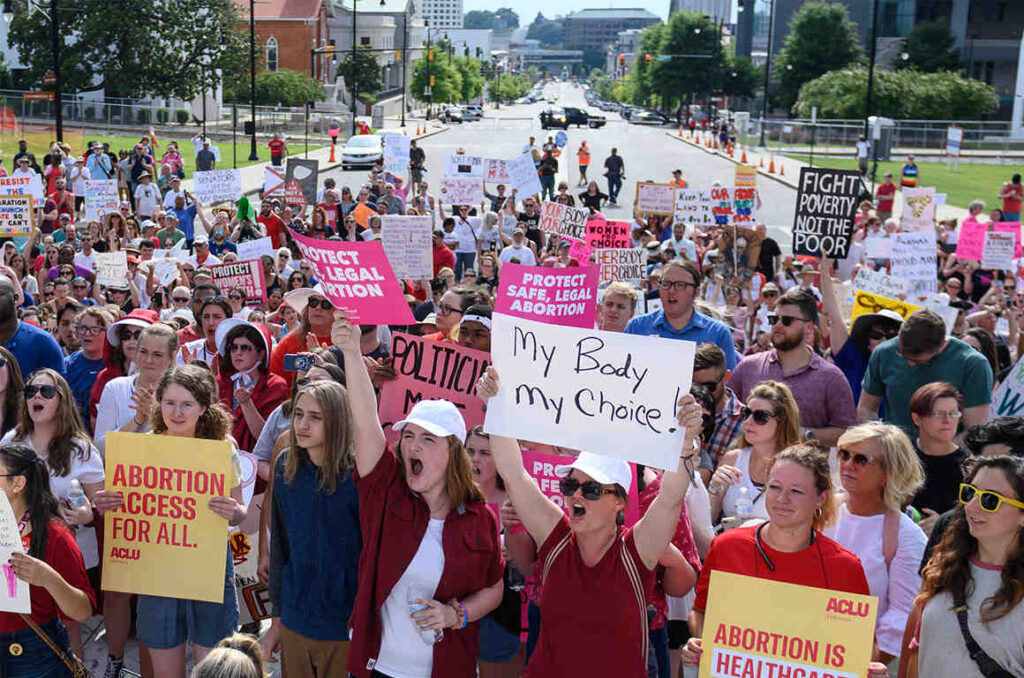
column 591, row 563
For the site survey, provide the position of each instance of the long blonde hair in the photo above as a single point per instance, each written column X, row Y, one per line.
column 339, row 443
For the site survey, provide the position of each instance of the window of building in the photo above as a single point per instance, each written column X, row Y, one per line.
column 364, row 41
column 271, row 54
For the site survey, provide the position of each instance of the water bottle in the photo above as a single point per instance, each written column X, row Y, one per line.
column 76, row 495
column 744, row 507
column 411, row 596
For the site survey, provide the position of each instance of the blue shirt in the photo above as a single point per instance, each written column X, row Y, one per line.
column 701, row 329
column 82, row 374
column 34, row 348
column 186, row 220
column 854, row 365
column 219, row 249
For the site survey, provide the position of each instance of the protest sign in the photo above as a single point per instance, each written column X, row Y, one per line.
column 464, row 166
column 165, row 270
column 745, row 176
column 254, row 249
column 273, row 179
column 357, row 278
column 560, row 296
column 253, row 594
column 541, row 467
column 462, row 190
column 744, row 205
column 100, row 199
column 429, row 370
column 522, row 174
column 939, row 305
column 998, row 252
column 877, row 248
column 654, row 198
column 603, row 234
column 164, row 527
column 495, row 171
column 396, row 154
column 1010, row 227
column 971, row 243
column 408, row 245
column 362, row 214
column 604, row 392
column 20, row 185
column 693, row 206
column 865, row 302
column 918, row 209
column 721, row 205
column 824, row 633
column 579, row 250
column 1008, row 400
column 245, row 274
column 217, row 185
column 878, row 282
column 563, row 219
column 304, row 172
column 626, row 264
column 15, row 596
column 111, row 267
column 913, row 260
column 826, row 204
column 15, row 215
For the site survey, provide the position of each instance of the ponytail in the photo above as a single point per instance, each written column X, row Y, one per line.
column 22, row 460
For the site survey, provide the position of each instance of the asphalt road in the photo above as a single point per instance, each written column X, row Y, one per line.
column 649, row 155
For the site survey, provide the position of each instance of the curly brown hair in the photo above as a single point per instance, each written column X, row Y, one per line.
column 215, row 422
column 950, row 566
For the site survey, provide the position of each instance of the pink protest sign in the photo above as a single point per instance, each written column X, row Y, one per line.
column 557, row 296
column 1011, row 227
column 245, row 274
column 357, row 278
column 971, row 243
column 608, row 234
column 579, row 250
column 541, row 467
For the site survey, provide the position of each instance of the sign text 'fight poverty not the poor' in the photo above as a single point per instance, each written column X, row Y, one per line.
column 826, row 204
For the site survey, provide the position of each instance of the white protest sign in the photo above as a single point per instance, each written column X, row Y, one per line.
column 111, row 267
column 941, row 307
column 100, row 199
column 655, row 198
column 21, row 185
column 495, row 171
column 627, row 265
column 998, row 252
column 408, row 245
column 918, row 209
column 254, row 249
column 396, row 154
column 564, row 220
column 882, row 284
column 913, row 260
column 462, row 190
column 1008, row 400
column 693, row 206
column 273, row 177
column 877, row 248
column 603, row 392
column 15, row 596
column 464, row 166
column 217, row 185
column 523, row 177
column 165, row 270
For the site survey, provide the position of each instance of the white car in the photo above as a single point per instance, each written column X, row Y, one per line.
column 362, row 149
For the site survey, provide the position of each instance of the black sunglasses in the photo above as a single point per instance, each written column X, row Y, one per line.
column 881, row 335
column 760, row 416
column 709, row 385
column 235, row 297
column 125, row 334
column 181, row 300
column 48, row 392
column 320, row 303
column 858, row 458
column 786, row 320
column 592, row 489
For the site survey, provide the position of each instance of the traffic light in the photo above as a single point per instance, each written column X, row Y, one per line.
column 431, row 81
column 647, row 58
column 430, row 55
column 398, row 55
column 622, row 59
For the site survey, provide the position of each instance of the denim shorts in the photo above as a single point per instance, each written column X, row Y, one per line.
column 36, row 660
column 164, row 623
column 497, row 644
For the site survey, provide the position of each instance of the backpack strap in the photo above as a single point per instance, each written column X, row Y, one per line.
column 890, row 536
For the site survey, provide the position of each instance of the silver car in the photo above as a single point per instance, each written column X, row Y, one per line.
column 362, row 150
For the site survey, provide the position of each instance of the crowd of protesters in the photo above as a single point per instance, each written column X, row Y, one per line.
column 858, row 456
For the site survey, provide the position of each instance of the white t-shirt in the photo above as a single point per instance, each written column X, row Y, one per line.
column 86, row 260
column 403, row 652
column 78, row 183
column 115, row 408
column 465, row 234
column 169, row 198
column 199, row 352
column 147, row 197
column 524, row 254
column 862, row 149
column 732, row 494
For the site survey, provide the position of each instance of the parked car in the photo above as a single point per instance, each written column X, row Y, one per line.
column 648, row 118
column 362, row 150
column 580, row 117
column 451, row 114
column 553, row 116
column 474, row 110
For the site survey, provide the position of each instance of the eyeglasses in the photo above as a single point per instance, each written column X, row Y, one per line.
column 760, row 416
column 945, row 415
column 881, row 335
column 769, row 295
column 787, row 320
column 988, row 500
column 83, row 330
column 321, row 303
column 241, row 348
column 180, row 300
column 680, row 285
column 709, row 385
column 126, row 334
column 47, row 294
column 858, row 459
column 592, row 489
column 235, row 297
column 445, row 309
column 48, row 392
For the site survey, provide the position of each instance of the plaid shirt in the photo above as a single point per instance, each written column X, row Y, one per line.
column 727, row 428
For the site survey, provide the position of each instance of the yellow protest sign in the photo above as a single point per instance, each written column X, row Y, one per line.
column 164, row 540
column 756, row 627
column 865, row 302
column 745, row 176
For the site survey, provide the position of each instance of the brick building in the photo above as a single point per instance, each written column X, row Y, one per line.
column 599, row 28
column 286, row 31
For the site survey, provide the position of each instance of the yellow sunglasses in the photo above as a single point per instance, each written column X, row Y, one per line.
column 988, row 500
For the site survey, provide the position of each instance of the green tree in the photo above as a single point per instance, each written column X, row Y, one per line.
column 472, row 78
column 548, row 32
column 930, row 47
column 898, row 94
column 821, row 39
column 738, row 77
column 282, row 87
column 478, row 18
column 133, row 48
column 447, row 79
column 508, row 15
column 677, row 77
column 367, row 71
column 507, row 86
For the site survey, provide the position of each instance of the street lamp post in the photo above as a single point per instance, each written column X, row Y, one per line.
column 871, row 65
column 253, row 155
column 55, row 46
column 430, row 57
column 767, row 67
column 405, row 57
column 355, row 86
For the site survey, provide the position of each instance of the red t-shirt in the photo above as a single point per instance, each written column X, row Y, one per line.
column 443, row 257
column 824, row 565
column 1013, row 203
column 276, row 147
column 885, row 194
column 274, row 226
column 595, row 618
column 62, row 555
column 332, row 215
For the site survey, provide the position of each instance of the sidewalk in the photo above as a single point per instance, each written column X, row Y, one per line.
column 786, row 171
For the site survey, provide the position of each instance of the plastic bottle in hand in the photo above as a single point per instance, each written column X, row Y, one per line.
column 76, row 495
column 744, row 506
column 412, row 596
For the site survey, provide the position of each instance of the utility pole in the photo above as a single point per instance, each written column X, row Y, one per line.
column 871, row 65
column 355, row 85
column 253, row 155
column 55, row 47
column 405, row 57
column 767, row 66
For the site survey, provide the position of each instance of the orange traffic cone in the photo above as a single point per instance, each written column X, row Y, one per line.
column 730, row 149
column 760, row 163
column 680, row 132
column 771, row 166
column 331, row 159
column 716, row 144
column 782, row 170
column 743, row 158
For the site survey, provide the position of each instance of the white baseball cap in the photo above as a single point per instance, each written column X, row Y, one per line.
column 605, row 470
column 439, row 417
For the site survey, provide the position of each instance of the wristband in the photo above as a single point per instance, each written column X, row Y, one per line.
column 465, row 614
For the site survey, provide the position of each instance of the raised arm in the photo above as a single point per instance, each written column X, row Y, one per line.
column 369, row 436
column 830, row 304
column 538, row 514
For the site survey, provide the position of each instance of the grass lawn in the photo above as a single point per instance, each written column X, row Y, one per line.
column 973, row 181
